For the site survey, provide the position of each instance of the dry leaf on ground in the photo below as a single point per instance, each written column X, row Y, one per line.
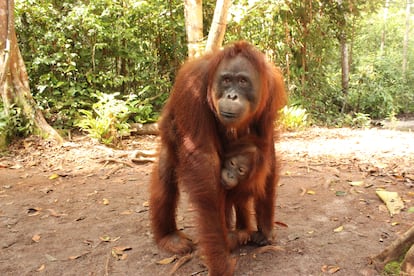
column 392, row 200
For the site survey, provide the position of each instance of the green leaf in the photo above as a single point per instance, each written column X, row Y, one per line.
column 340, row 193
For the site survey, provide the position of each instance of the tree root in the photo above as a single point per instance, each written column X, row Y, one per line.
column 395, row 251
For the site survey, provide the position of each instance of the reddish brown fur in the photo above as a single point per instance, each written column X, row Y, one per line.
column 192, row 143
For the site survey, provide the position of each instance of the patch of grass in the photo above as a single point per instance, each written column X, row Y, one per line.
column 392, row 268
column 293, row 118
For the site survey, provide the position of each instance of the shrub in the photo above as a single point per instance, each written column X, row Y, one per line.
column 293, row 118
column 107, row 122
column 12, row 125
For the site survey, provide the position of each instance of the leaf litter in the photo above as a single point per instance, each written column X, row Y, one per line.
column 311, row 158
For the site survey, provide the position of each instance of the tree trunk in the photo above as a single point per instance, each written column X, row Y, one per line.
column 193, row 13
column 406, row 38
column 344, row 66
column 14, row 84
column 288, row 41
column 218, row 25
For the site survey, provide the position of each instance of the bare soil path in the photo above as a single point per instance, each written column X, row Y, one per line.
column 82, row 208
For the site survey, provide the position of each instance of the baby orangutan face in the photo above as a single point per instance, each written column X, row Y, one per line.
column 235, row 170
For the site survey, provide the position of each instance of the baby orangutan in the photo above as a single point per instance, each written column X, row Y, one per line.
column 239, row 168
column 238, row 165
column 242, row 168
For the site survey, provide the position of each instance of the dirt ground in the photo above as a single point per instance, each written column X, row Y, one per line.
column 82, row 208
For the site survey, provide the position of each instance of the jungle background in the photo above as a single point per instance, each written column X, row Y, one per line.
column 345, row 62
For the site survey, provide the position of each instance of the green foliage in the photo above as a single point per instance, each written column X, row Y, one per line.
column 304, row 40
column 110, row 117
column 75, row 49
column 357, row 120
column 132, row 49
column 108, row 120
column 293, row 118
column 392, row 268
column 378, row 87
column 13, row 125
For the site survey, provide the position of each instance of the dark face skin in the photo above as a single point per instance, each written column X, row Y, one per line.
column 236, row 169
column 236, row 91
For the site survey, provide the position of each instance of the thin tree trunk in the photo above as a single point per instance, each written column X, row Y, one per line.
column 288, row 41
column 382, row 46
column 193, row 13
column 406, row 39
column 14, row 84
column 344, row 66
column 218, row 25
column 306, row 20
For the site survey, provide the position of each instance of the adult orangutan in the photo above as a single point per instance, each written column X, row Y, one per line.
column 216, row 100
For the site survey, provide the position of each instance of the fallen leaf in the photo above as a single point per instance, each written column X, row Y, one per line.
column 395, row 223
column 392, row 201
column 310, row 192
column 36, row 238
column 41, row 268
column 80, row 218
column 105, row 201
column 356, row 183
column 115, row 239
column 16, row 167
column 167, row 260
column 127, row 212
column 281, row 224
column 105, row 238
column 53, row 176
column 123, row 257
column 53, row 213
column 399, row 177
column 34, row 211
column 331, row 269
column 121, row 249
column 303, row 191
column 410, row 210
column 145, row 204
column 50, row 258
column 118, row 252
column 334, row 269
column 340, row 193
column 78, row 256
column 184, row 259
column 339, row 229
